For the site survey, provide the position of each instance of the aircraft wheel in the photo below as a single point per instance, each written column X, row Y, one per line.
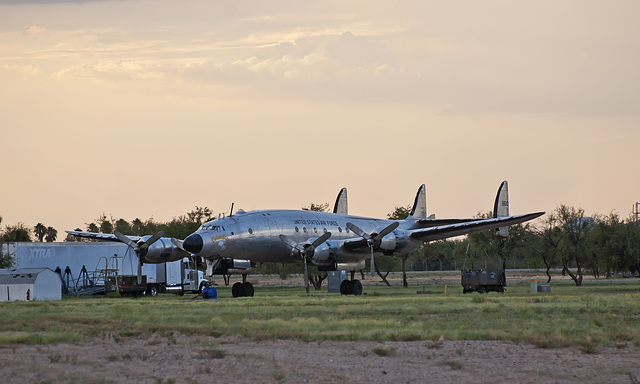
column 345, row 287
column 247, row 289
column 356, row 287
column 236, row 289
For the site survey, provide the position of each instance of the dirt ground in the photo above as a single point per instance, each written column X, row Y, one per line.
column 182, row 359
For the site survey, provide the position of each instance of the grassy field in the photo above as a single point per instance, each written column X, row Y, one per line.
column 596, row 314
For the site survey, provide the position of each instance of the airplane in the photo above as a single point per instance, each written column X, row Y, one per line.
column 328, row 240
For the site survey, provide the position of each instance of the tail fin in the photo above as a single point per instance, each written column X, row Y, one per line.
column 419, row 210
column 341, row 206
column 501, row 206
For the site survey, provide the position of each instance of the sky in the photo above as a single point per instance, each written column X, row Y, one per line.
column 147, row 109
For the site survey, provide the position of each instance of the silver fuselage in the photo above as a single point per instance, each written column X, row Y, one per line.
column 255, row 235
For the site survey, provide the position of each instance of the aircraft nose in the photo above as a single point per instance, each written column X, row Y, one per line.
column 193, row 243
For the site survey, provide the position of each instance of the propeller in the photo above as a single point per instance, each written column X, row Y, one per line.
column 306, row 251
column 373, row 241
column 140, row 248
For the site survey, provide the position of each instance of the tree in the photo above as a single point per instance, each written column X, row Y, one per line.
column 16, row 233
column 137, row 227
column 322, row 207
column 200, row 215
column 399, row 213
column 51, row 235
column 6, row 261
column 575, row 227
column 105, row 225
column 123, row 226
column 550, row 235
column 631, row 256
column 40, row 231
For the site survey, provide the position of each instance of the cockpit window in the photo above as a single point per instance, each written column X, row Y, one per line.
column 211, row 227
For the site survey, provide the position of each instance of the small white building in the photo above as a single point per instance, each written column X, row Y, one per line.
column 30, row 284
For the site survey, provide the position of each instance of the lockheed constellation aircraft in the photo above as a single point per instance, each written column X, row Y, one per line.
column 328, row 240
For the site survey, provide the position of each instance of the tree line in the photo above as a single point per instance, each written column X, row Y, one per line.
column 565, row 239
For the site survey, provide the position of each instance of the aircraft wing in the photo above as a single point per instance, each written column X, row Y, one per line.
column 427, row 223
column 101, row 236
column 462, row 228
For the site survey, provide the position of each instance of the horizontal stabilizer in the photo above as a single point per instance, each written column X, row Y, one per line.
column 452, row 230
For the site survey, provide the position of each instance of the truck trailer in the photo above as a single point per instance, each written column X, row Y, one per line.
column 89, row 264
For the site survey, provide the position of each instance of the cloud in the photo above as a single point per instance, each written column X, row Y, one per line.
column 34, row 30
column 115, row 70
column 24, row 71
column 513, row 59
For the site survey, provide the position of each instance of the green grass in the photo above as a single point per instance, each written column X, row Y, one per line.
column 597, row 314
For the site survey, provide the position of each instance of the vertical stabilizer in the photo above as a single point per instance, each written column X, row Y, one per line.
column 341, row 206
column 419, row 210
column 501, row 206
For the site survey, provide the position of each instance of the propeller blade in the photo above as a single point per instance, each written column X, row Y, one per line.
column 306, row 275
column 178, row 244
column 152, row 240
column 321, row 239
column 125, row 240
column 358, row 231
column 373, row 241
column 372, row 262
column 139, row 271
column 390, row 228
column 291, row 243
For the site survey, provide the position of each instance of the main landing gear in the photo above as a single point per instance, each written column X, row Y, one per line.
column 244, row 289
column 351, row 287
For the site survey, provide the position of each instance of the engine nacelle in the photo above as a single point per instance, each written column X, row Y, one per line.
column 393, row 241
column 325, row 254
column 162, row 251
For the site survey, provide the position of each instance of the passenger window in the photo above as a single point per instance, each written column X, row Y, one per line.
column 250, row 231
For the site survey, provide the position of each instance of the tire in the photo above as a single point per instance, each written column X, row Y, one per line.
column 344, row 287
column 482, row 290
column 356, row 287
column 236, row 290
column 247, row 290
column 152, row 290
column 203, row 285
